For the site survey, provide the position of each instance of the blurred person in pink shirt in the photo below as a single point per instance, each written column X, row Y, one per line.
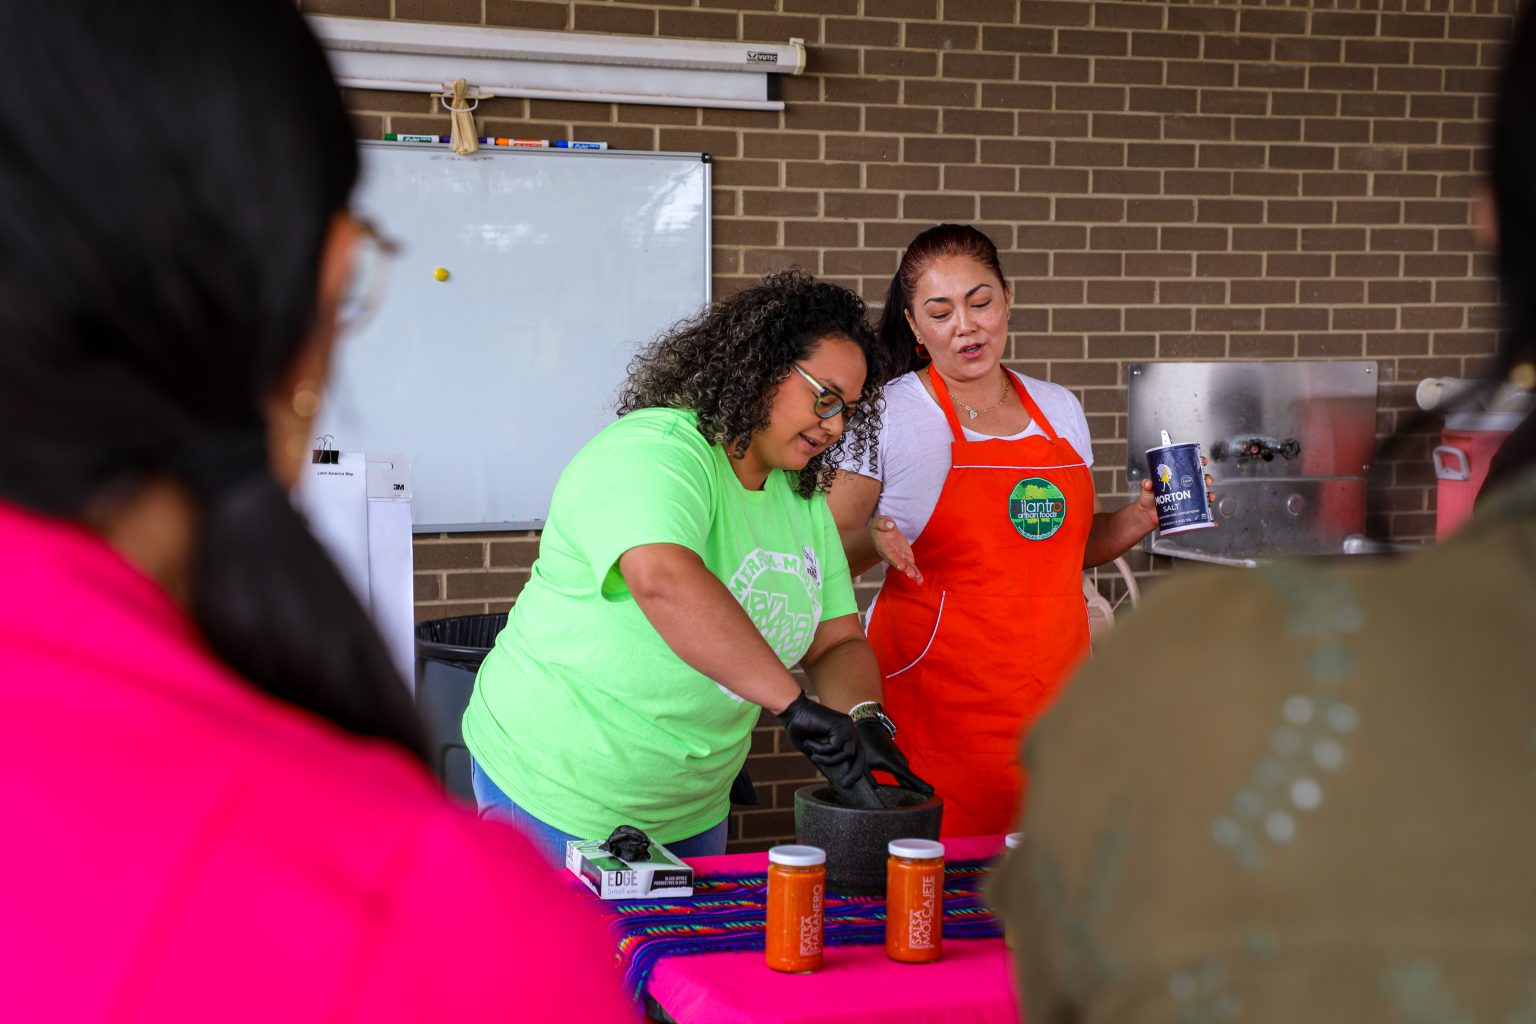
column 215, row 800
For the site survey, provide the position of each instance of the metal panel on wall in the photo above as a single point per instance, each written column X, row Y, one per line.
column 1290, row 446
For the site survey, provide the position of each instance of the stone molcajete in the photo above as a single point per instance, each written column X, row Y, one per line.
column 855, row 838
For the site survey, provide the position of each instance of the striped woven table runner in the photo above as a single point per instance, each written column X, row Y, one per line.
column 726, row 912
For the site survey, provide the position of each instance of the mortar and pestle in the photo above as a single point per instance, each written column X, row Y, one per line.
column 854, row 824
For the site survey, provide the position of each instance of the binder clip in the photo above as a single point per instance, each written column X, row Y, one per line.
column 325, row 452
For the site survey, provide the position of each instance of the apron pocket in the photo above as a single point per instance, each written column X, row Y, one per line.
column 921, row 643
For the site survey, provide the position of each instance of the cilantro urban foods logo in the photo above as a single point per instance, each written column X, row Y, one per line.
column 1037, row 508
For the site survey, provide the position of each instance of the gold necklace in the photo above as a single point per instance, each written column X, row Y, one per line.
column 977, row 412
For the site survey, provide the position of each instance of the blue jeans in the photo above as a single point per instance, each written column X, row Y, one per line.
column 550, row 842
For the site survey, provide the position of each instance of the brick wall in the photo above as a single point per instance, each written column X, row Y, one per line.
column 1215, row 180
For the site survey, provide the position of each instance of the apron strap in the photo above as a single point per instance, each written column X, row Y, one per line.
column 947, row 405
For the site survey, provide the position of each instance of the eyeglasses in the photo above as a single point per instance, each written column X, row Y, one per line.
column 828, row 402
column 371, row 258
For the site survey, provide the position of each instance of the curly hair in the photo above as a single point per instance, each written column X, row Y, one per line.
column 726, row 363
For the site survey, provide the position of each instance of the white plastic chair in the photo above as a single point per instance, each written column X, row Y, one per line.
column 1101, row 610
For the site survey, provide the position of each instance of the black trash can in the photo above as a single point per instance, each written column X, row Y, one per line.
column 448, row 654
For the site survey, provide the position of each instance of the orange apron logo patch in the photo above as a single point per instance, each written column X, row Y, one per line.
column 1037, row 508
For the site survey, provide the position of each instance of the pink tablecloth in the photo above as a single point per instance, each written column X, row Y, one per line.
column 971, row 984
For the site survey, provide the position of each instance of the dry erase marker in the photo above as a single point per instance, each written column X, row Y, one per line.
column 397, row 137
column 524, row 143
column 569, row 144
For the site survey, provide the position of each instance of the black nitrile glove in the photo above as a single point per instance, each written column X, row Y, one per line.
column 882, row 754
column 827, row 737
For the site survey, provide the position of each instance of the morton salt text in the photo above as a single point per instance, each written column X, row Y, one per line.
column 1163, row 499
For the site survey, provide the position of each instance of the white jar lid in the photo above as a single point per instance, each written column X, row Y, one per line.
column 797, row 856
column 1013, row 839
column 916, row 849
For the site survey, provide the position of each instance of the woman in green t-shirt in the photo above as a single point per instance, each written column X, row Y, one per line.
column 688, row 564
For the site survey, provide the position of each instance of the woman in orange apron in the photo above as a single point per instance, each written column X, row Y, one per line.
column 985, row 620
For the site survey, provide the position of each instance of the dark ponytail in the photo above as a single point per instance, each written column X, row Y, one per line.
column 158, row 277
column 942, row 240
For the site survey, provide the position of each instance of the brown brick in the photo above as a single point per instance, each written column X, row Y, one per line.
column 1122, row 237
column 1056, row 237
column 1376, row 264
column 484, row 585
column 1125, row 181
column 1341, row 78
column 1229, row 211
column 1295, row 318
column 1090, row 210
column 1015, row 151
column 1009, row 39
column 1298, row 264
column 936, row 150
column 1229, row 265
column 940, row 36
column 1232, row 157
column 1159, row 318
column 1262, row 346
column 903, row 177
column 347, row 8
column 698, row 25
column 1309, row 51
column 1372, row 51
column 527, row 14
column 1018, row 97
column 1266, row 129
column 1091, row 97
column 1229, row 318
column 1402, row 239
column 624, row 20
column 1330, row 346
column 1322, row 183
column 939, row 208
column 862, row 90
column 1191, row 346
column 859, row 204
column 1414, row 26
column 1257, row 239
column 977, row 122
column 1369, row 211
column 996, row 66
column 1127, row 72
column 1087, row 264
column 1196, row 183
column 979, row 179
column 1014, row 208
column 1165, row 211
column 1271, row 76
column 1052, row 181
column 1363, row 318
column 1331, row 23
column 1197, row 128
column 1121, row 293
column 745, row 232
column 866, row 32
column 1263, row 292
column 1164, row 44
column 1192, row 293
column 1336, row 129
column 1090, row 154
column 1202, row 19
column 1126, row 126
column 1301, row 157
column 1265, row 183
column 1414, row 79
column 1092, row 42
column 1234, row 101
column 1158, row 264
column 1493, row 29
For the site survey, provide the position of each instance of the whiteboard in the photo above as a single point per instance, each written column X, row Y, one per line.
column 561, row 265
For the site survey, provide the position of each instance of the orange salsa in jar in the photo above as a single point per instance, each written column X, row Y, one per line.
column 797, row 885
column 914, row 900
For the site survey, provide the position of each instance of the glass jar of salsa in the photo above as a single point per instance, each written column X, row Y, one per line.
column 797, row 885
column 914, row 900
